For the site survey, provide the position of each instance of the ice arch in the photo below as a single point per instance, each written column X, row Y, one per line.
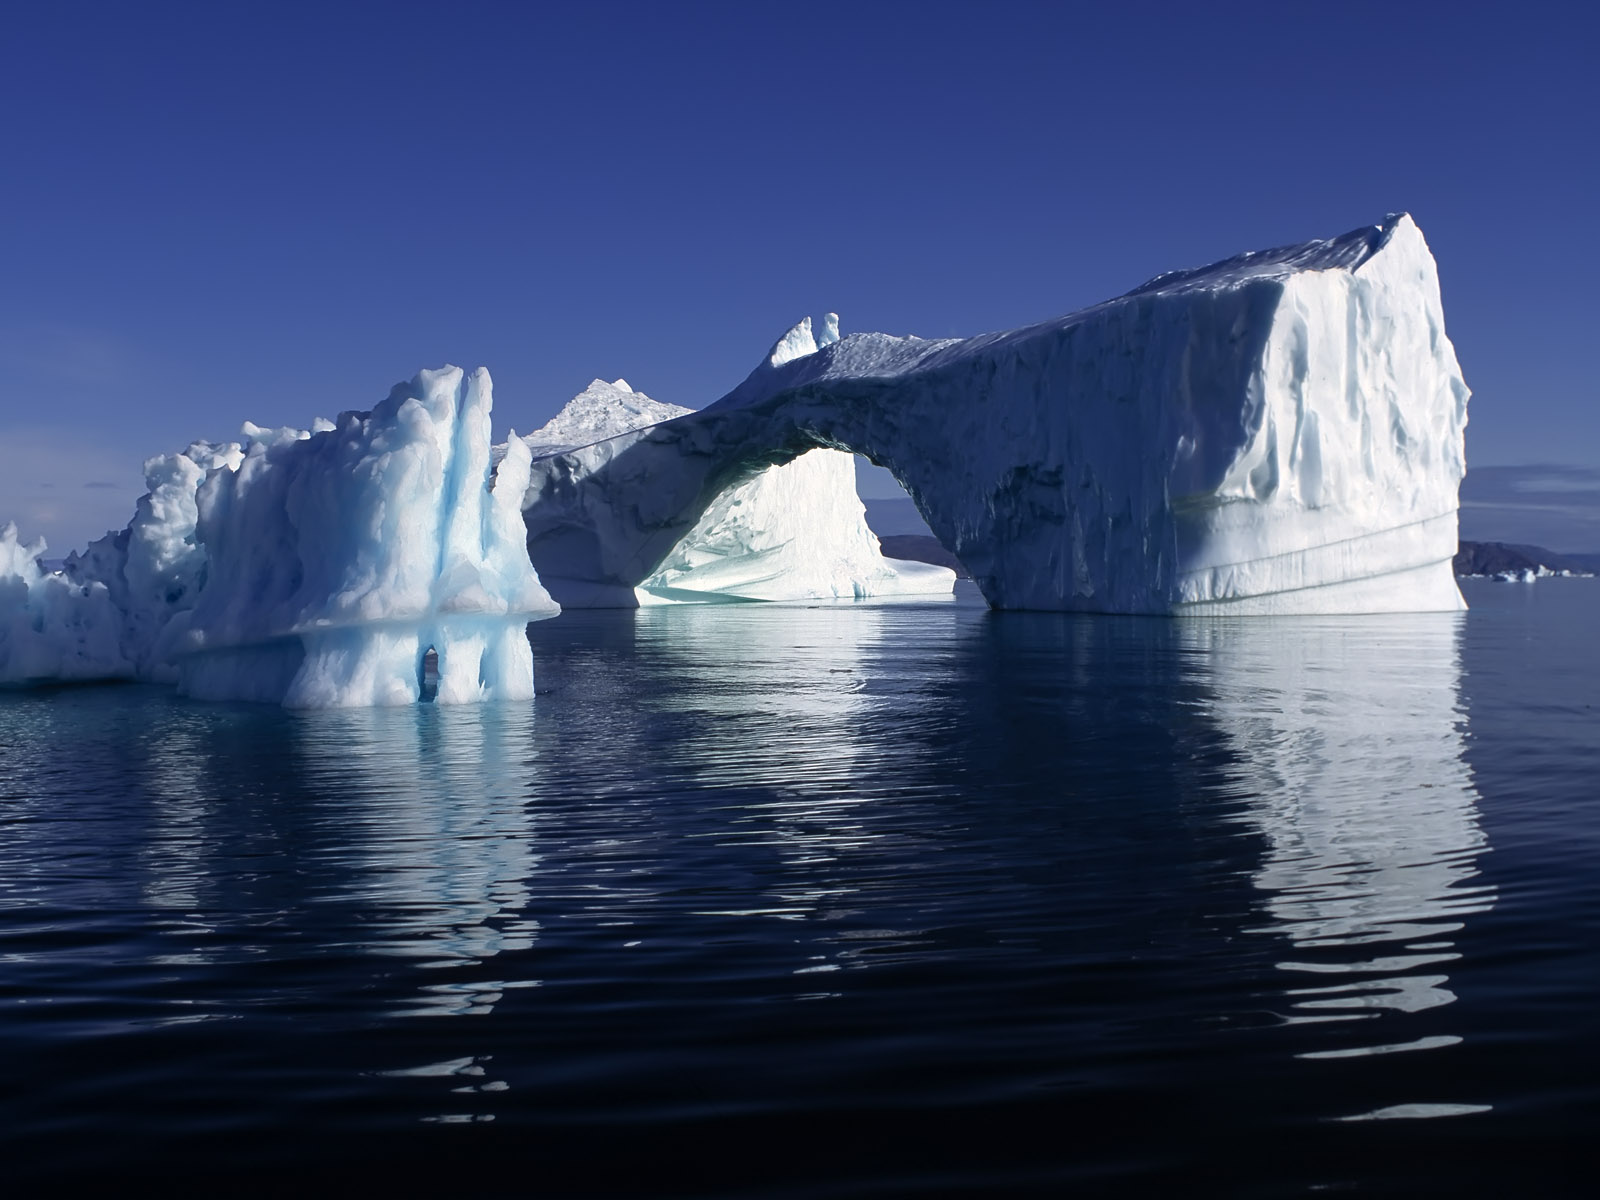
column 1278, row 432
column 792, row 533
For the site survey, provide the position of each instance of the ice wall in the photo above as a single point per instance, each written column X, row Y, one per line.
column 1277, row 433
column 335, row 561
column 790, row 532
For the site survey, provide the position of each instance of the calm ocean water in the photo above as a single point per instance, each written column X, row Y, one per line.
column 765, row 901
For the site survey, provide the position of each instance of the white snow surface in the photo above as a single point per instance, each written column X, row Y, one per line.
column 602, row 410
column 337, row 559
column 1281, row 432
column 791, row 532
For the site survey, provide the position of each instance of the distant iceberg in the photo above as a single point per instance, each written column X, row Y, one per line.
column 1281, row 432
column 791, row 532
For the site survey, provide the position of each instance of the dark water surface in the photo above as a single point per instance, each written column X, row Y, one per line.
column 840, row 901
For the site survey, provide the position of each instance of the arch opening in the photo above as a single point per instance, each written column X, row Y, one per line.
column 800, row 529
column 725, row 505
column 894, row 517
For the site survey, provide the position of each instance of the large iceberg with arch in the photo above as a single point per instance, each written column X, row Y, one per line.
column 1280, row 432
column 792, row 532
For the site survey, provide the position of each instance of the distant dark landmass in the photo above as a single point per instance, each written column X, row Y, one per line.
column 904, row 534
column 888, row 517
column 1473, row 558
column 921, row 547
column 1503, row 558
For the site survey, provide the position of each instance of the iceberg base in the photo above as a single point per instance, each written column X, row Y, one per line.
column 478, row 659
column 1428, row 588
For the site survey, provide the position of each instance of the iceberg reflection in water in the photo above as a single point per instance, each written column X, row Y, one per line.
column 437, row 836
column 805, row 900
column 1349, row 736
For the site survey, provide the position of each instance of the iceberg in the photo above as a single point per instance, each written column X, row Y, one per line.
column 154, row 568
column 52, row 629
column 792, row 532
column 336, row 560
column 1280, row 432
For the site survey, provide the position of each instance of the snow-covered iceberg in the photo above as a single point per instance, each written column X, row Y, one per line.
column 1280, row 432
column 791, row 532
column 336, row 560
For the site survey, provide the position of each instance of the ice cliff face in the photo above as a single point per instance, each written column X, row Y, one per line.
column 336, row 560
column 1277, row 433
column 790, row 532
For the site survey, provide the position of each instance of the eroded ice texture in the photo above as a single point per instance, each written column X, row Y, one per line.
column 336, row 561
column 154, row 568
column 1277, row 433
column 52, row 628
column 790, row 532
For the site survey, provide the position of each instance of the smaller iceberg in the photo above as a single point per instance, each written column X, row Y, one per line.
column 153, row 569
column 53, row 630
column 336, row 560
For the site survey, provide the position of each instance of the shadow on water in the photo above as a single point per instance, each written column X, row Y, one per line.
column 768, row 900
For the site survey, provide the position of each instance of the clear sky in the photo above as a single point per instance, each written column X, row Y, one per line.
column 218, row 212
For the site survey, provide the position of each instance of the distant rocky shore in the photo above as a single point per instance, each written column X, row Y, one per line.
column 1494, row 560
column 920, row 547
column 1502, row 560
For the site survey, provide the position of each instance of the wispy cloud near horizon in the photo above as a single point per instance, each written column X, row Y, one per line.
column 1555, row 505
column 62, row 485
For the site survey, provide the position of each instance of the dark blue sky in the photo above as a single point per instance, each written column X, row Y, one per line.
column 220, row 212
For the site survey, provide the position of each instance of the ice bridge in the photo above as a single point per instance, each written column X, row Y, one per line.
column 1280, row 432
